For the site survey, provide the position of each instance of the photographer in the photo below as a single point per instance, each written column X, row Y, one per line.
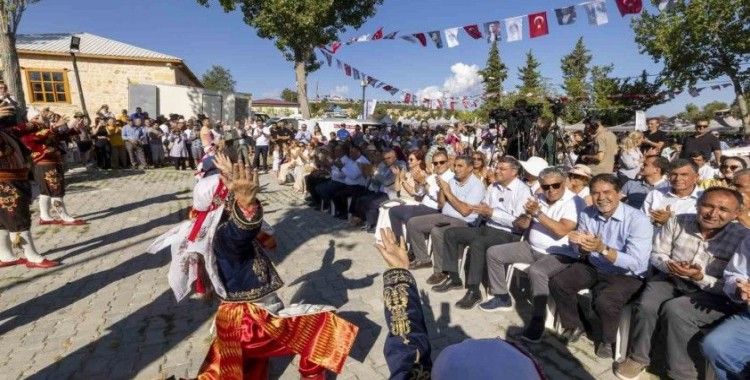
column 601, row 147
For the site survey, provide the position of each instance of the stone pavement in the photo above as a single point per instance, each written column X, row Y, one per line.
column 108, row 312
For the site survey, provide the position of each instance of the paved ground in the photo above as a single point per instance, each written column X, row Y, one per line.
column 108, row 313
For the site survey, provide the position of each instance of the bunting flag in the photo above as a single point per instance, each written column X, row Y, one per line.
column 407, row 98
column 694, row 92
column 597, row 12
column 492, row 30
column 665, row 5
column 566, row 16
column 335, row 45
column 338, row 64
column 629, row 7
column 716, row 87
column 451, row 37
column 390, row 36
column 514, row 28
column 726, row 85
column 378, row 34
column 393, row 90
column 347, row 70
column 387, row 87
column 421, row 38
column 473, row 31
column 362, row 38
column 409, row 38
column 465, row 102
column 538, row 25
column 355, row 73
column 436, row 38
column 328, row 56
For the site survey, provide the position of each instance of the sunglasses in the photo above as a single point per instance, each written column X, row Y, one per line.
column 732, row 167
column 701, row 126
column 551, row 186
column 438, row 162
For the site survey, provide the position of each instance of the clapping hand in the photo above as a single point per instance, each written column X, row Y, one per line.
column 685, row 269
column 661, row 216
column 587, row 241
column 483, row 209
column 532, row 206
column 743, row 290
column 394, row 253
column 442, row 185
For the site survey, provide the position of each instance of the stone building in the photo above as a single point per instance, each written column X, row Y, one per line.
column 276, row 107
column 107, row 69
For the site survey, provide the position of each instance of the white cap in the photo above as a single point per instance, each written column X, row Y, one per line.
column 534, row 165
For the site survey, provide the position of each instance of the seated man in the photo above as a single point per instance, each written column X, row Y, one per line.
column 689, row 254
column 324, row 168
column 726, row 347
column 399, row 215
column 380, row 188
column 503, row 203
column 548, row 218
column 651, row 177
column 456, row 198
column 678, row 198
column 347, row 181
column 614, row 241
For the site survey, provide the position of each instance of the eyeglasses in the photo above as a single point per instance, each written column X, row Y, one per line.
column 438, row 162
column 551, row 185
column 478, row 159
column 701, row 126
column 731, row 167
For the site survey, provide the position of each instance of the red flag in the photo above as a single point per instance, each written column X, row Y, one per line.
column 473, row 31
column 335, row 45
column 629, row 6
column 347, row 70
column 377, row 35
column 538, row 24
column 421, row 37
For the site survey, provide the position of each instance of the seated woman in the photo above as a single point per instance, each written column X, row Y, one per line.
column 409, row 186
column 578, row 182
column 727, row 167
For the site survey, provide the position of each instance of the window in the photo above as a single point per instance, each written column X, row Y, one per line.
column 48, row 86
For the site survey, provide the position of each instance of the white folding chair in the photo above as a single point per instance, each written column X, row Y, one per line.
column 550, row 322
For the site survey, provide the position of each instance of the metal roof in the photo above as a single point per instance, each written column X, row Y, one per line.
column 91, row 45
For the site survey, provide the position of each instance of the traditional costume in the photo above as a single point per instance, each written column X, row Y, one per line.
column 252, row 324
column 44, row 143
column 15, row 198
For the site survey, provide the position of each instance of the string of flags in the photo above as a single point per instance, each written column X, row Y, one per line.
column 538, row 26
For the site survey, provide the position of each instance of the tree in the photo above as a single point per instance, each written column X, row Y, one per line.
column 699, row 40
column 575, row 69
column 530, row 77
column 605, row 96
column 218, row 78
column 299, row 26
column 289, row 95
column 10, row 16
column 493, row 76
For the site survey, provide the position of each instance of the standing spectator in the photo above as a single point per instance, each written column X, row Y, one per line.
column 195, row 146
column 178, row 149
column 155, row 143
column 135, row 139
column 701, row 141
column 104, row 112
column 262, row 136
column 123, row 117
column 138, row 114
column 102, row 146
column 602, row 159
column 631, row 157
column 241, row 144
column 654, row 140
column 342, row 134
column 614, row 243
column 118, row 153
column 80, row 126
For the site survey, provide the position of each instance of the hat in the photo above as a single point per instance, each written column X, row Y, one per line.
column 534, row 165
column 581, row 170
column 78, row 114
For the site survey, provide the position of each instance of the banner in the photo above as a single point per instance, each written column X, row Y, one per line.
column 597, row 12
column 492, row 30
column 451, row 37
column 538, row 24
column 514, row 29
column 370, row 105
column 566, row 16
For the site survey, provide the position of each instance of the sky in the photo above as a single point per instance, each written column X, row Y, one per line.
column 203, row 37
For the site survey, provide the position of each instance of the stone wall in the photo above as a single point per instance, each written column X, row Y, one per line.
column 275, row 110
column 104, row 81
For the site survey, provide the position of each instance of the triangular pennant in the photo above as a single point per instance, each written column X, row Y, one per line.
column 514, row 28
column 716, row 87
column 694, row 92
column 629, row 6
column 335, row 45
column 390, row 36
column 393, row 90
column 566, row 16
column 363, row 38
column 538, row 24
column 492, row 30
column 378, row 34
column 451, row 37
column 407, row 98
column 473, row 31
column 725, row 85
column 421, row 38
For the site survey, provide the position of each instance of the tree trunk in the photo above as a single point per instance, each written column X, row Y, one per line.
column 11, row 68
column 301, row 74
column 741, row 101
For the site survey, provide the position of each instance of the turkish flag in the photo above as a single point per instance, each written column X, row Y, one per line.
column 629, row 6
column 421, row 37
column 473, row 31
column 377, row 35
column 538, row 24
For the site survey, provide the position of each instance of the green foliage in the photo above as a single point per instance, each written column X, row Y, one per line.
column 575, row 69
column 699, row 40
column 693, row 112
column 493, row 76
column 531, row 78
column 218, row 78
column 289, row 95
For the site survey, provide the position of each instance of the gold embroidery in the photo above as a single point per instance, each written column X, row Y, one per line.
column 396, row 300
column 395, row 276
column 241, row 221
column 9, row 198
column 52, row 180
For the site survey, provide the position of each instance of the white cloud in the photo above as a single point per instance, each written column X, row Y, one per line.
column 464, row 80
column 341, row 91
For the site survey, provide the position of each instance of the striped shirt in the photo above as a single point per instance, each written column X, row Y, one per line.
column 680, row 240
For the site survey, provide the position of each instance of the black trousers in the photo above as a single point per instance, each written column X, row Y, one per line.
column 610, row 293
column 179, row 163
column 479, row 239
column 340, row 196
column 311, row 182
column 367, row 205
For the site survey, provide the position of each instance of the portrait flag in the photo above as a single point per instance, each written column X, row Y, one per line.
column 437, row 38
column 629, row 7
column 355, row 73
column 566, row 16
column 473, row 31
column 390, row 36
column 451, row 37
column 514, row 28
column 492, row 30
column 538, row 25
column 347, row 70
column 466, row 102
column 407, row 98
column 329, row 57
column 596, row 12
column 378, row 34
column 665, row 5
